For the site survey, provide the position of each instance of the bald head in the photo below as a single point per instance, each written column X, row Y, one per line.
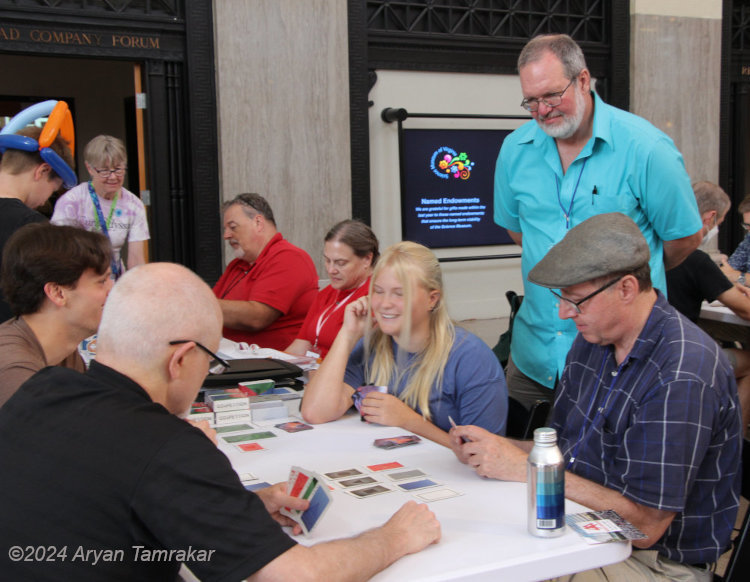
column 152, row 305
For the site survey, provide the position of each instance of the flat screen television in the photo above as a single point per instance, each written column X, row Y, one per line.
column 447, row 178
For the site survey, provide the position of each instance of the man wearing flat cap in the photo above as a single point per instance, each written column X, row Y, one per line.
column 646, row 413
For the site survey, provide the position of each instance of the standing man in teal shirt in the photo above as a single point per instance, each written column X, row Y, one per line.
column 577, row 158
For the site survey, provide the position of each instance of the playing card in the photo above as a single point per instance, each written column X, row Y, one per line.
column 420, row 484
column 385, row 466
column 603, row 526
column 362, row 391
column 369, row 491
column 293, row 426
column 396, row 442
column 344, row 473
column 438, row 494
column 320, row 500
column 357, row 481
column 256, row 486
column 233, row 428
column 408, row 474
column 247, row 436
column 248, row 447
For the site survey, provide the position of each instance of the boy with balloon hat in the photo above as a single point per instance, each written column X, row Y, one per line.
column 34, row 163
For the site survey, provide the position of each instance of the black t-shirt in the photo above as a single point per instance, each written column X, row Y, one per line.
column 90, row 464
column 696, row 279
column 13, row 215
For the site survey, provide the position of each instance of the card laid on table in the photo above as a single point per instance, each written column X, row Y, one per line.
column 385, row 466
column 366, row 492
column 419, row 484
column 405, row 474
column 294, row 426
column 343, row 474
column 396, row 442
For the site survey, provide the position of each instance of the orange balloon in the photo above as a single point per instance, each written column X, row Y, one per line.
column 54, row 122
column 68, row 133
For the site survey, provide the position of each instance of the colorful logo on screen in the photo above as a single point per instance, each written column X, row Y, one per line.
column 446, row 162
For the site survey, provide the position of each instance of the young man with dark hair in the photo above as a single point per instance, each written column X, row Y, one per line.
column 55, row 279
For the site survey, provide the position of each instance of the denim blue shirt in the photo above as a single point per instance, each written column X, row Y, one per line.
column 473, row 389
column 627, row 166
column 663, row 429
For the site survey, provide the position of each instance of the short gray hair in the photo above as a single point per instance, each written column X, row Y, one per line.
column 560, row 45
column 710, row 197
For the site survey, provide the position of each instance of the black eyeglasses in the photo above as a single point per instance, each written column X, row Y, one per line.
column 106, row 173
column 577, row 304
column 550, row 100
column 217, row 365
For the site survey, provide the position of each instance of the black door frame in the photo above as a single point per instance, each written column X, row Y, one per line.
column 176, row 46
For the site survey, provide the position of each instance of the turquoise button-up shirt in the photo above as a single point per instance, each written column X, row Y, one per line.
column 627, row 166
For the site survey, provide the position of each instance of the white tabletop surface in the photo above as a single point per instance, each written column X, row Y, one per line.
column 484, row 533
column 717, row 311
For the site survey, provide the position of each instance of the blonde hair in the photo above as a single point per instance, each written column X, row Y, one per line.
column 412, row 264
column 104, row 150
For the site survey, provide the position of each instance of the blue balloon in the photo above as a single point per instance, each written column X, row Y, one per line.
column 59, row 166
column 18, row 142
column 31, row 113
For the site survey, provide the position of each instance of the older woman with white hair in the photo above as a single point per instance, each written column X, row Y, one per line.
column 402, row 338
column 103, row 205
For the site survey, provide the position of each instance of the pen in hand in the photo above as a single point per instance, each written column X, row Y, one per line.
column 453, row 424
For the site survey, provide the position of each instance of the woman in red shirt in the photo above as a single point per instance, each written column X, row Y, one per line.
column 350, row 253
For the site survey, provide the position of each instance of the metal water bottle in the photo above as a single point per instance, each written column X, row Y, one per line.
column 546, row 486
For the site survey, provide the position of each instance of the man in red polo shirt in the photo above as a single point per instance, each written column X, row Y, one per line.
column 267, row 289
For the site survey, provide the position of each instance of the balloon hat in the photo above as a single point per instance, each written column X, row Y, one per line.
column 59, row 121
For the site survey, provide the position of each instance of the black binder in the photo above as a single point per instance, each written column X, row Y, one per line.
column 244, row 370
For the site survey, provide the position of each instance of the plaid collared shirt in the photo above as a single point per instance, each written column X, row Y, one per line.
column 663, row 429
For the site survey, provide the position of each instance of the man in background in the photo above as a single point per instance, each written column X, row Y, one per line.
column 267, row 289
column 577, row 158
column 101, row 461
column 56, row 280
column 26, row 183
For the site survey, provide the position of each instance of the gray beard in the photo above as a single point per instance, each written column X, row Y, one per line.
column 570, row 124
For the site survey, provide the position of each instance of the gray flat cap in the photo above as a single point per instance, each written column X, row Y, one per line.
column 600, row 245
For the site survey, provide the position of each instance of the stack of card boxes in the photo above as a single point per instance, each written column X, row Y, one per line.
column 250, row 401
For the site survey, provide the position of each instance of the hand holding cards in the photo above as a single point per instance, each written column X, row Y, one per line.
column 307, row 485
column 362, row 391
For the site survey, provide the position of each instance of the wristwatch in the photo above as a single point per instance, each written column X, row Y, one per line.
column 741, row 278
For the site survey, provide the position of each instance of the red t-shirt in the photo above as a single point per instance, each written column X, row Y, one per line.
column 283, row 277
column 327, row 311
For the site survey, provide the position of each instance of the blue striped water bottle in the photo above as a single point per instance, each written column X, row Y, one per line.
column 546, row 486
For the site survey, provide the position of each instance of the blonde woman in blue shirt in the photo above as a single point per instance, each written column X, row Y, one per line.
column 401, row 336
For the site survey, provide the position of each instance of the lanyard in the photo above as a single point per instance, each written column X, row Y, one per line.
column 575, row 191
column 99, row 217
column 116, row 266
column 325, row 315
column 237, row 278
